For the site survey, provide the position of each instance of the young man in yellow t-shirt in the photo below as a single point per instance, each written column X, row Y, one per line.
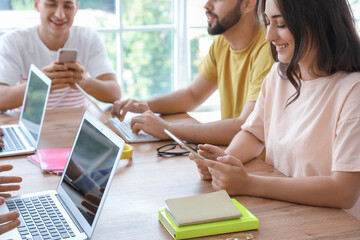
column 237, row 63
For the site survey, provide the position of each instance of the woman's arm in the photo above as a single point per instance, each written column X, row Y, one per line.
column 340, row 189
column 245, row 146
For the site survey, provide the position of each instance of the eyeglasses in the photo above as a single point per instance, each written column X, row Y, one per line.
column 174, row 149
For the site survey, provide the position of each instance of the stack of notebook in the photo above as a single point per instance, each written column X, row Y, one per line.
column 51, row 160
column 204, row 215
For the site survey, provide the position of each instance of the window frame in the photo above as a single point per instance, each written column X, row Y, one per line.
column 180, row 45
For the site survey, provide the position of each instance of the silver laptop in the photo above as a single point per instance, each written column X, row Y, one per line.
column 23, row 138
column 72, row 211
column 123, row 128
column 126, row 132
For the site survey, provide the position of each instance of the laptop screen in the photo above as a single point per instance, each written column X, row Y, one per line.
column 89, row 169
column 34, row 104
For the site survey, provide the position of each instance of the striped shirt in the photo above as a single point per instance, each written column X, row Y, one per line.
column 67, row 98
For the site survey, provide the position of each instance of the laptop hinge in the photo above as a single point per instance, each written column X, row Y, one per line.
column 69, row 213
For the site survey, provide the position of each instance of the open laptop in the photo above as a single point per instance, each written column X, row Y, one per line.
column 23, row 138
column 70, row 212
column 126, row 132
column 123, row 128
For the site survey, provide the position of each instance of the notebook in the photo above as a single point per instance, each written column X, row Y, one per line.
column 52, row 160
column 66, row 212
column 23, row 138
column 247, row 222
column 208, row 207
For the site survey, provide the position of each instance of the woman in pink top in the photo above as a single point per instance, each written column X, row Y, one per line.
column 307, row 114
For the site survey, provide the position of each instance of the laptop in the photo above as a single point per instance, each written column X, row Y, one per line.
column 23, row 138
column 72, row 210
column 123, row 128
column 126, row 132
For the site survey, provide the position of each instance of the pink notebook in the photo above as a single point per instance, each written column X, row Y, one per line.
column 51, row 160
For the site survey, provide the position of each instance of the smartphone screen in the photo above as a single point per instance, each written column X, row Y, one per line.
column 181, row 143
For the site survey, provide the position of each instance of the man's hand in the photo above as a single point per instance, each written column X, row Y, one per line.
column 121, row 108
column 151, row 124
column 4, row 180
column 60, row 75
column 8, row 221
column 80, row 76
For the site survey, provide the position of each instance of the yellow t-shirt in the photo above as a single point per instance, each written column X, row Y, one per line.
column 239, row 74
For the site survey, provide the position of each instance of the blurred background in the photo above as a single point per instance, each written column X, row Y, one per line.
column 154, row 46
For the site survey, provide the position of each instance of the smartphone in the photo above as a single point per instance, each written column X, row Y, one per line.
column 181, row 143
column 66, row 55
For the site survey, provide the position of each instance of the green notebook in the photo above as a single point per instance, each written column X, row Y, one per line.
column 247, row 222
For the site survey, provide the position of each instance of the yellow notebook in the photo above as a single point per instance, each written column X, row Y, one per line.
column 247, row 222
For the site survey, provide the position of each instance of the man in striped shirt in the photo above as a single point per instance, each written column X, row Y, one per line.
column 38, row 45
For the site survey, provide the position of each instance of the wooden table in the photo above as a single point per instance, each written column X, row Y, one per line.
column 142, row 184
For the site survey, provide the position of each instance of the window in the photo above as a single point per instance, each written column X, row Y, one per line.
column 153, row 45
column 355, row 5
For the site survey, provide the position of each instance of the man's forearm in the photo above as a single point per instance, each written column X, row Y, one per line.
column 11, row 96
column 175, row 102
column 217, row 133
column 103, row 90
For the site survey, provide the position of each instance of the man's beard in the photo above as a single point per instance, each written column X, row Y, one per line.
column 227, row 22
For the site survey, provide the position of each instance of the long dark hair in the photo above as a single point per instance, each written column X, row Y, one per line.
column 327, row 24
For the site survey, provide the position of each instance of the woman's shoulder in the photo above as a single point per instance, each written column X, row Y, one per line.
column 354, row 76
column 348, row 80
column 274, row 73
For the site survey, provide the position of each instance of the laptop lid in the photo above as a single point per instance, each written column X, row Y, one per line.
column 126, row 133
column 34, row 104
column 89, row 171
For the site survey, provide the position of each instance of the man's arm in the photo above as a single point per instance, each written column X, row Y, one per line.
column 8, row 221
column 218, row 133
column 179, row 101
column 11, row 96
column 105, row 87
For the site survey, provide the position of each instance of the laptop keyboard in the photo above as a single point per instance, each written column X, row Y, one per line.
column 11, row 140
column 125, row 128
column 40, row 218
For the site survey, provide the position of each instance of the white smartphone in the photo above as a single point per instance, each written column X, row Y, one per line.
column 181, row 143
column 66, row 55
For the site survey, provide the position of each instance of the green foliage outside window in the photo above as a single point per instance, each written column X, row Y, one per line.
column 148, row 63
column 147, row 12
column 107, row 5
column 148, row 55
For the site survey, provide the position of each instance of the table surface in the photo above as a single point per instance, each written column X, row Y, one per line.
column 142, row 184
